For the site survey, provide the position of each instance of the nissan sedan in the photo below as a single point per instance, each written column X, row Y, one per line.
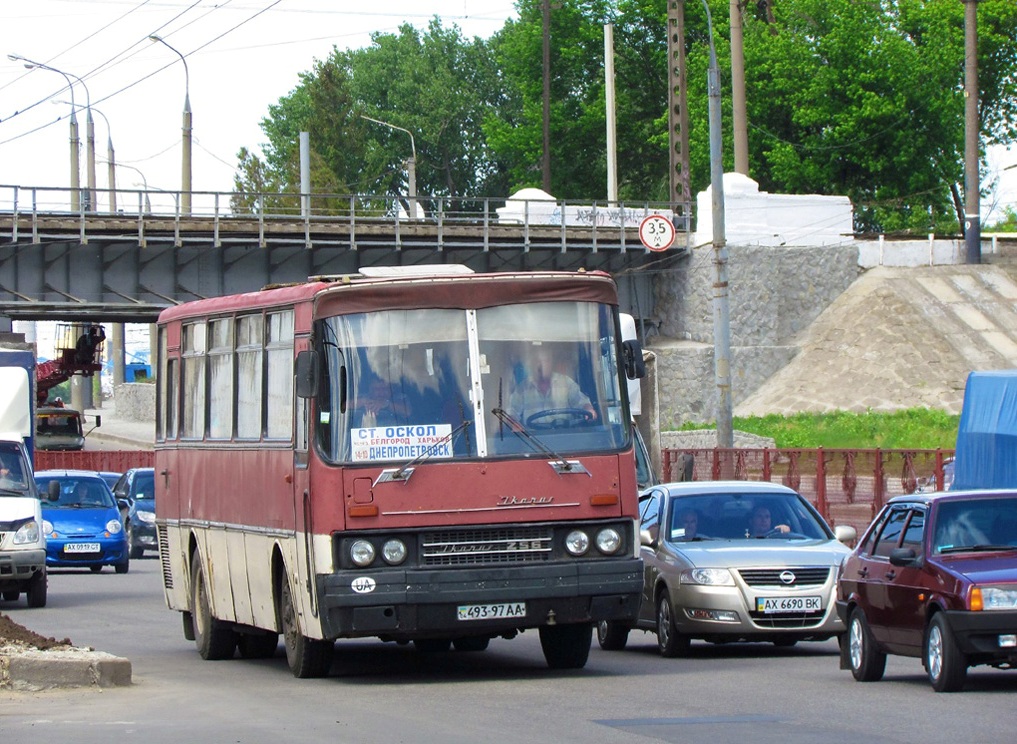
column 934, row 577
column 728, row 561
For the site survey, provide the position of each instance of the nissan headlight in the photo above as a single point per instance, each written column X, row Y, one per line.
column 114, row 527
column 146, row 516
column 707, row 577
column 577, row 542
column 27, row 533
column 362, row 553
column 394, row 552
column 608, row 541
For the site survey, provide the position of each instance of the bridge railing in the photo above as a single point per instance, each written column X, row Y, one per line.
column 154, row 213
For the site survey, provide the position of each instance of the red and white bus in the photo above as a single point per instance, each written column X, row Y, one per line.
column 360, row 456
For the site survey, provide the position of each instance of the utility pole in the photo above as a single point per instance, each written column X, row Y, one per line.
column 546, row 165
column 721, row 312
column 677, row 110
column 612, row 132
column 972, row 209
column 739, row 108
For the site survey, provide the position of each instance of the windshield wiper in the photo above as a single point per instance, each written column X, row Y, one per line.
column 980, row 548
column 403, row 472
column 13, row 492
column 560, row 464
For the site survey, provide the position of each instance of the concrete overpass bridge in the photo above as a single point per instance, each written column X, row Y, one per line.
column 128, row 263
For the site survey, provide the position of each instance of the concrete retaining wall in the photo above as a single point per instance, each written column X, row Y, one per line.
column 135, row 401
column 774, row 294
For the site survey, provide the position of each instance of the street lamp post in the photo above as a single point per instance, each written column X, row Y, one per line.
column 75, row 142
column 185, row 175
column 411, row 164
column 111, row 173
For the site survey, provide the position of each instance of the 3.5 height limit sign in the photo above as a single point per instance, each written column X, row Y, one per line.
column 657, row 232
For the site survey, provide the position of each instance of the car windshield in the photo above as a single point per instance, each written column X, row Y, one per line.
column 975, row 524
column 744, row 516
column 77, row 493
column 144, row 486
column 12, row 469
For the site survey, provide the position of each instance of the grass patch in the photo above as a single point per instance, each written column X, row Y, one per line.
column 912, row 428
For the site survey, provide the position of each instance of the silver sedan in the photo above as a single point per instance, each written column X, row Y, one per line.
column 732, row 561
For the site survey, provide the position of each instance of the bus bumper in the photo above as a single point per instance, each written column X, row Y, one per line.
column 394, row 603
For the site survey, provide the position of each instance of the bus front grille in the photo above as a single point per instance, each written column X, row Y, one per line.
column 478, row 547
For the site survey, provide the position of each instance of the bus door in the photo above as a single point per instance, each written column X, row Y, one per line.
column 302, row 518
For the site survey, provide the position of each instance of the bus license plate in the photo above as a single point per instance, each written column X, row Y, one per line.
column 81, row 548
column 492, row 611
column 778, row 605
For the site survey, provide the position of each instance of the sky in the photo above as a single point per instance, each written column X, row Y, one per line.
column 241, row 57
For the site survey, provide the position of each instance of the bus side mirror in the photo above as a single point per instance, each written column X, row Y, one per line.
column 98, row 421
column 53, row 490
column 307, row 374
column 632, row 358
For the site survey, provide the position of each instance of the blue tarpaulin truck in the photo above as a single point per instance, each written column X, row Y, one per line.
column 986, row 452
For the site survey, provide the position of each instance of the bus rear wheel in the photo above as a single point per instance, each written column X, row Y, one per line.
column 566, row 646
column 307, row 657
column 214, row 639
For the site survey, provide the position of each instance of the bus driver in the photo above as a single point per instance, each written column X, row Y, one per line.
column 544, row 389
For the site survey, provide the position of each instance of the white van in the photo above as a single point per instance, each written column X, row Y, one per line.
column 22, row 541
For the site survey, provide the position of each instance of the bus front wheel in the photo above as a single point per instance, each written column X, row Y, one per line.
column 215, row 640
column 307, row 657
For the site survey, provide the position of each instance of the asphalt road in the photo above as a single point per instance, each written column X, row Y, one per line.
column 387, row 693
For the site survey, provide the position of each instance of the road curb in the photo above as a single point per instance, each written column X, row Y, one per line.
column 42, row 670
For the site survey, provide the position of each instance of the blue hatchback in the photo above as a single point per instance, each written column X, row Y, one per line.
column 82, row 521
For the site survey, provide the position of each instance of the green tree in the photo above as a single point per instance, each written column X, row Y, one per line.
column 866, row 99
column 436, row 85
column 577, row 122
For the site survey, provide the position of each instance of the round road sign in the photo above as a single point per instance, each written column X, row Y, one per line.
column 657, row 232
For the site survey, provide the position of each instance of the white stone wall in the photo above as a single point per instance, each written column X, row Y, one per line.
column 135, row 401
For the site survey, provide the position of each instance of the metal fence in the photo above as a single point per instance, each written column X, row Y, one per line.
column 114, row 461
column 847, row 486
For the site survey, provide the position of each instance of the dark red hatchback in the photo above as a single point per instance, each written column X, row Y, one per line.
column 934, row 576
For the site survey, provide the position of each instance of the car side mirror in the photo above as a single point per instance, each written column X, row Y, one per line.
column 647, row 537
column 845, row 533
column 123, row 504
column 903, row 556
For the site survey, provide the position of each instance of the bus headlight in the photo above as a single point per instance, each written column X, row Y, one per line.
column 394, row 552
column 608, row 541
column 577, row 542
column 362, row 553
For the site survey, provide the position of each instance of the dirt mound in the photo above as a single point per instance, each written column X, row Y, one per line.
column 14, row 634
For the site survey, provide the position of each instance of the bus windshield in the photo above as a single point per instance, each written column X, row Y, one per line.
column 451, row 383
